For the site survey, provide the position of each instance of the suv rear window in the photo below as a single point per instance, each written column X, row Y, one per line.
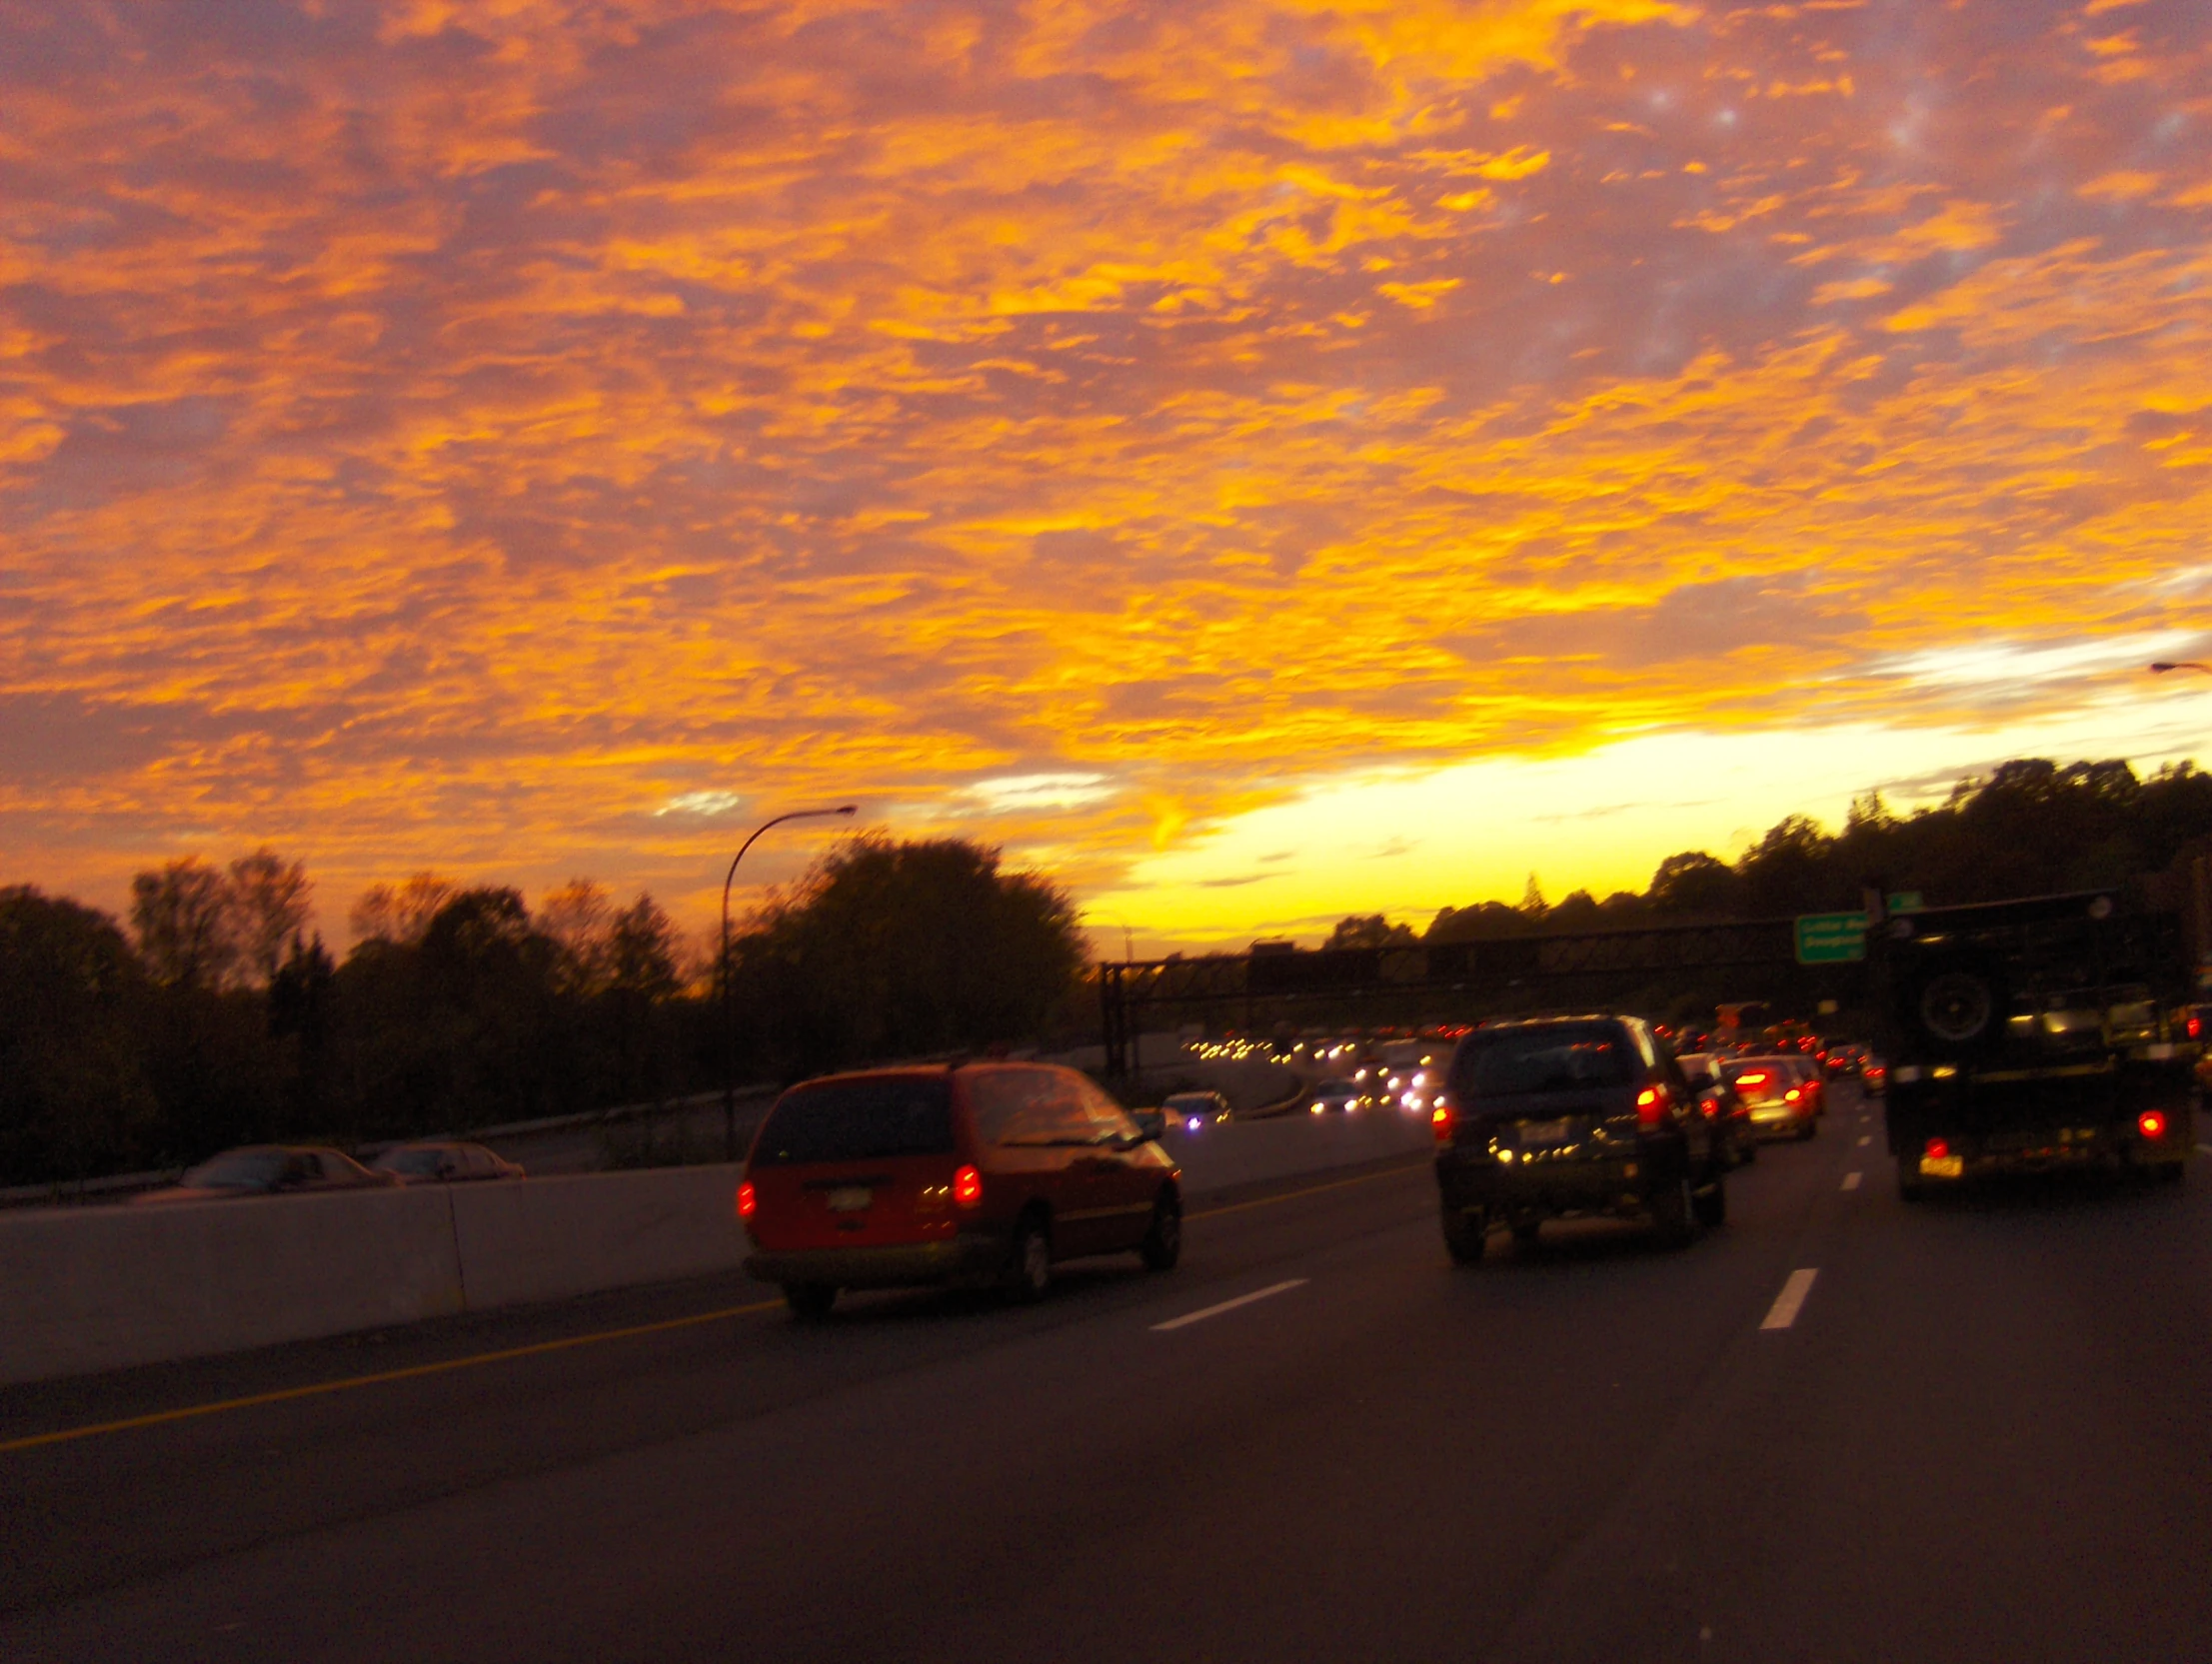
column 858, row 1120
column 1509, row 1061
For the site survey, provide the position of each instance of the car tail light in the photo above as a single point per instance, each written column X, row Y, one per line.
column 1752, row 1077
column 1937, row 1149
column 2151, row 1124
column 2196, row 1029
column 748, row 1202
column 1442, row 1121
column 1652, row 1104
column 1792, row 1095
column 967, row 1188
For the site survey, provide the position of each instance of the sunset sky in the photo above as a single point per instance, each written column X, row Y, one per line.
column 1257, row 459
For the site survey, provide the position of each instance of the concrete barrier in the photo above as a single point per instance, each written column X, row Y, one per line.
column 87, row 1289
column 550, row 1238
column 84, row 1289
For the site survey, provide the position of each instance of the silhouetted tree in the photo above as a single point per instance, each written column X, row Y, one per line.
column 1374, row 931
column 74, row 1100
column 268, row 898
column 184, row 924
column 900, row 950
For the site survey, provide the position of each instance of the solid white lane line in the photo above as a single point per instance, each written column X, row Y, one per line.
column 1783, row 1312
column 1229, row 1305
column 1851, row 1182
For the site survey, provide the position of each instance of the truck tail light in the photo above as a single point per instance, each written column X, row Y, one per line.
column 749, row 1203
column 2151, row 1124
column 967, row 1188
column 1652, row 1104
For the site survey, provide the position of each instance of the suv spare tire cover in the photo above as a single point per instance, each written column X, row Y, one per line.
column 1959, row 1006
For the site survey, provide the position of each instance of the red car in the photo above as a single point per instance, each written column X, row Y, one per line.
column 977, row 1172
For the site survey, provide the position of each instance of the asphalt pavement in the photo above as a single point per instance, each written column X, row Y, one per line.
column 1835, row 1428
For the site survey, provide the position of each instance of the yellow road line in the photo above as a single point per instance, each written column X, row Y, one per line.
column 1310, row 1190
column 348, row 1382
column 383, row 1376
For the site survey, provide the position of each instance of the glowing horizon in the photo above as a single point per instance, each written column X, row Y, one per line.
column 527, row 440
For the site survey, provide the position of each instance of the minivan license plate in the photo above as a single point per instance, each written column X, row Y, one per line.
column 1540, row 1135
column 851, row 1198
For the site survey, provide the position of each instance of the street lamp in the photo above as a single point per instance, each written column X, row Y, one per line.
column 729, row 1005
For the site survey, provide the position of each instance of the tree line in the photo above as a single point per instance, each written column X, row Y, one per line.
column 216, row 1015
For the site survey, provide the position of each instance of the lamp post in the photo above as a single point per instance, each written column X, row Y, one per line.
column 729, row 1003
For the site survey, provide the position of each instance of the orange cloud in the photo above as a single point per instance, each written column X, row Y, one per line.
column 532, row 439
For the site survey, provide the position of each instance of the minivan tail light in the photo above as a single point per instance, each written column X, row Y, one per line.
column 967, row 1188
column 748, row 1202
column 1652, row 1104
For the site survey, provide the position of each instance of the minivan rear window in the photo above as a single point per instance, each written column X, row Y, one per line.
column 858, row 1120
column 1509, row 1061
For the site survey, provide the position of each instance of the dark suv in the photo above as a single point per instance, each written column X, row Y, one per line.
column 1558, row 1116
column 975, row 1174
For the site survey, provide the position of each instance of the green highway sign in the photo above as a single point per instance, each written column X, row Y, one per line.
column 1840, row 938
column 1830, row 937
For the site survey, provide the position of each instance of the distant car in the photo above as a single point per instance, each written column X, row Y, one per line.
column 1338, row 1096
column 1774, row 1089
column 980, row 1172
column 444, row 1162
column 1194, row 1109
column 267, row 1170
column 1562, row 1116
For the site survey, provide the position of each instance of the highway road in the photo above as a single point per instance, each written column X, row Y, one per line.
column 1978, row 1435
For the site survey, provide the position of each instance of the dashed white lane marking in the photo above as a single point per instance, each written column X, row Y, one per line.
column 1784, row 1311
column 1851, row 1182
column 1865, row 1138
column 1229, row 1305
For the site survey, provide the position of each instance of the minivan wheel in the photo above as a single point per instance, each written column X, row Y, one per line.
column 810, row 1300
column 1163, row 1245
column 1711, row 1205
column 1029, row 1271
column 1464, row 1234
column 1671, row 1217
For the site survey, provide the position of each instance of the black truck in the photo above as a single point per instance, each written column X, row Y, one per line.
column 2033, row 1035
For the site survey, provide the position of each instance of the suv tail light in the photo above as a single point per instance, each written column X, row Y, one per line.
column 967, row 1188
column 2151, row 1124
column 1443, row 1120
column 1653, row 1103
column 748, row 1202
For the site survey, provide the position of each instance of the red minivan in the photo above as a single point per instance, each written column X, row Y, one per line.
column 973, row 1172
